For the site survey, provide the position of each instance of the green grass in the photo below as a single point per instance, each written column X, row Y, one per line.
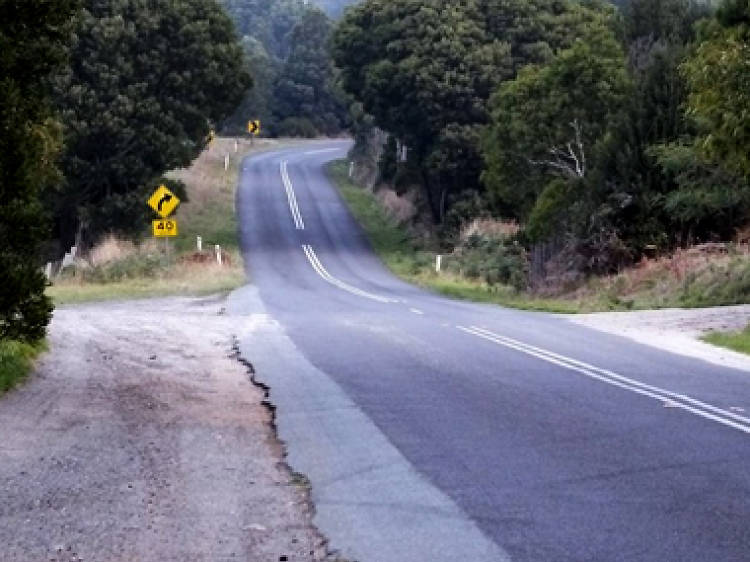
column 415, row 265
column 16, row 361
column 737, row 341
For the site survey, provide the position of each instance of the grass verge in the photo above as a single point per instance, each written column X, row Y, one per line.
column 120, row 269
column 736, row 341
column 16, row 361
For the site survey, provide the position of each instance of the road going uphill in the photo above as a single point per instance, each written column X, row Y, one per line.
column 433, row 429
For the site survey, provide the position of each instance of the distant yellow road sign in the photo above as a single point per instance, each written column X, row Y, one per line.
column 253, row 127
column 165, row 227
column 163, row 201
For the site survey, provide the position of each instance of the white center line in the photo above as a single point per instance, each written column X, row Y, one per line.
column 322, row 272
column 293, row 207
column 674, row 400
column 416, row 311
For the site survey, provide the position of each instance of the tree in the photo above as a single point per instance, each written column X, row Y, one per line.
column 33, row 36
column 306, row 88
column 258, row 99
column 548, row 121
column 718, row 75
column 268, row 21
column 148, row 80
column 425, row 70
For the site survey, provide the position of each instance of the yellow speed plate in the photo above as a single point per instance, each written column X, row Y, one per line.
column 165, row 227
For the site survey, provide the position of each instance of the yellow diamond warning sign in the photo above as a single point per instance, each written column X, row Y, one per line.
column 165, row 227
column 163, row 201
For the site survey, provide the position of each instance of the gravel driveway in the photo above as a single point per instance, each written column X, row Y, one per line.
column 140, row 438
column 677, row 330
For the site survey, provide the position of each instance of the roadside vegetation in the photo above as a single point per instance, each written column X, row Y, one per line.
column 32, row 42
column 736, row 341
column 16, row 361
column 97, row 104
column 709, row 275
column 120, row 267
column 586, row 155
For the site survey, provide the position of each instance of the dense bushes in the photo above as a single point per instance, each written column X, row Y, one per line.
column 495, row 261
column 615, row 130
column 32, row 47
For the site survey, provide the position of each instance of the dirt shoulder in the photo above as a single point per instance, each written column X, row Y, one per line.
column 141, row 438
column 677, row 330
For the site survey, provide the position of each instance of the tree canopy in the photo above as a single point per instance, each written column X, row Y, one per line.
column 426, row 69
column 295, row 89
column 147, row 82
column 33, row 37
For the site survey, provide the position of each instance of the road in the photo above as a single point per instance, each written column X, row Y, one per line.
column 541, row 439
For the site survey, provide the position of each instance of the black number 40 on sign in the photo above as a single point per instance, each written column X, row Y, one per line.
column 165, row 227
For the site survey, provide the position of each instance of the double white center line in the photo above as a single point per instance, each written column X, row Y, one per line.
column 320, row 270
column 293, row 207
column 668, row 398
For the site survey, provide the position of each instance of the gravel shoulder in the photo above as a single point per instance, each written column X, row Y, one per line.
column 141, row 438
column 676, row 330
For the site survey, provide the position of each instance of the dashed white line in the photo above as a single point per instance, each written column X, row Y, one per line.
column 674, row 400
column 322, row 272
column 416, row 311
column 293, row 207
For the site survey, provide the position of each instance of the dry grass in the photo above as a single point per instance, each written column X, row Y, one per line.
column 699, row 276
column 110, row 249
column 118, row 268
column 176, row 279
column 489, row 228
column 400, row 208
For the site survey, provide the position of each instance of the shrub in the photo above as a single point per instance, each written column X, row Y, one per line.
column 496, row 261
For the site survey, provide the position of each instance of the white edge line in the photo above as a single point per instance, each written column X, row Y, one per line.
column 570, row 364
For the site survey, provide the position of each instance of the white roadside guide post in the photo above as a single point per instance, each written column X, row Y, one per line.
column 48, row 270
column 199, row 243
column 217, row 248
column 438, row 263
column 351, row 169
column 236, row 146
column 226, row 162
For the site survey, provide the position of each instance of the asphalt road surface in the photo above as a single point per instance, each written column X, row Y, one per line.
column 507, row 434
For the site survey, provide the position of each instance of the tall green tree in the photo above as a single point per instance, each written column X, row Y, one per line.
column 548, row 122
column 306, row 88
column 656, row 36
column 33, row 37
column 718, row 75
column 425, row 70
column 148, row 80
